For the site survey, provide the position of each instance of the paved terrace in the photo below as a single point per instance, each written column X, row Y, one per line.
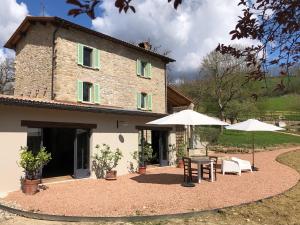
column 160, row 192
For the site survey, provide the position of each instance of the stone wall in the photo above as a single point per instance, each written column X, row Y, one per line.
column 34, row 63
column 117, row 77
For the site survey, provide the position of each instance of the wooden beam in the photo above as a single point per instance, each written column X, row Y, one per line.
column 153, row 128
column 47, row 124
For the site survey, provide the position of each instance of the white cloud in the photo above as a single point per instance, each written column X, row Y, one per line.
column 11, row 15
column 190, row 33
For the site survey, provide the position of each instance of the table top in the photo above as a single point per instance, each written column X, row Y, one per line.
column 200, row 160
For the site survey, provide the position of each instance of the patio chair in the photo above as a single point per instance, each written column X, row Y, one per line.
column 188, row 171
column 230, row 166
column 206, row 169
column 243, row 164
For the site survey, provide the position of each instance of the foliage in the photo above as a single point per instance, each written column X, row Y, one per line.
column 210, row 135
column 261, row 139
column 236, row 109
column 223, row 78
column 105, row 160
column 88, row 6
column 7, row 76
column 146, row 157
column 181, row 150
column 33, row 163
column 275, row 26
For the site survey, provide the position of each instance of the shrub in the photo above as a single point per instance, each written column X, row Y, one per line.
column 33, row 163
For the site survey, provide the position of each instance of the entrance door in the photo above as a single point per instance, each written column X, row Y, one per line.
column 163, row 148
column 82, row 154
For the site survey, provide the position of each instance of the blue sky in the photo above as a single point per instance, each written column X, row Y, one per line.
column 55, row 8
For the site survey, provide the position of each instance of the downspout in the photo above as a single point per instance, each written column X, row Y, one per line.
column 53, row 60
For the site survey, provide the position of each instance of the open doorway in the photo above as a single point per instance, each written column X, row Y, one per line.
column 69, row 148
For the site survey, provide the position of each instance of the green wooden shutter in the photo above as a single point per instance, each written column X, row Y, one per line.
column 149, row 98
column 79, row 91
column 149, row 70
column 96, row 58
column 138, row 100
column 80, row 54
column 96, row 88
column 138, row 67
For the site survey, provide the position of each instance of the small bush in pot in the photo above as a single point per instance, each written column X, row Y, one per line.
column 105, row 160
column 181, row 152
column 142, row 159
column 32, row 163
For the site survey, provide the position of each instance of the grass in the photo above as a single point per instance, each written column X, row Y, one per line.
column 286, row 103
column 261, row 139
column 283, row 209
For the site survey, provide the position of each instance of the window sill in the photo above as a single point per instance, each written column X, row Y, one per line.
column 88, row 67
column 148, row 78
column 88, row 103
column 141, row 109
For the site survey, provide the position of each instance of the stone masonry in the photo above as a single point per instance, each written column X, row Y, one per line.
column 117, row 77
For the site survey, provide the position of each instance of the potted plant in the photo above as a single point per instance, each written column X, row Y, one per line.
column 32, row 165
column 142, row 159
column 180, row 153
column 104, row 161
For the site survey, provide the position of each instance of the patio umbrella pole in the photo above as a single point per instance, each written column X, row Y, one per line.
column 253, row 151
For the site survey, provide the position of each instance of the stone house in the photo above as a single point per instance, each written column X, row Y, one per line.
column 76, row 88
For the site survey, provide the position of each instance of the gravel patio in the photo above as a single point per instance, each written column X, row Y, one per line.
column 160, row 192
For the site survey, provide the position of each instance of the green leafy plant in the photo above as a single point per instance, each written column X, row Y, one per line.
column 181, row 150
column 33, row 163
column 146, row 157
column 105, row 159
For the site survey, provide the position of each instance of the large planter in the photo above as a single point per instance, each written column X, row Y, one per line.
column 180, row 163
column 30, row 187
column 142, row 170
column 111, row 175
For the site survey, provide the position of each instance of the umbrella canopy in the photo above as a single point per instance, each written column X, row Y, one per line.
column 253, row 125
column 188, row 117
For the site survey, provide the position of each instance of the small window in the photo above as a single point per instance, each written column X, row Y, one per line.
column 87, row 92
column 87, row 56
column 143, row 100
column 143, row 68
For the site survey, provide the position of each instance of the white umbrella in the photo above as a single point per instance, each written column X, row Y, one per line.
column 253, row 125
column 188, row 117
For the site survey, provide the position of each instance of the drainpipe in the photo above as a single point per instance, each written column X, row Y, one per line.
column 53, row 60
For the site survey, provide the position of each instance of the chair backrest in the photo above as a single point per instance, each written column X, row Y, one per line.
column 187, row 166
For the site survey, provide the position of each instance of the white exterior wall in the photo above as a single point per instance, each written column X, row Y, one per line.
column 13, row 136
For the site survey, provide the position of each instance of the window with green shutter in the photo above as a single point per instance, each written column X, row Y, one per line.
column 144, row 101
column 79, row 91
column 143, row 69
column 88, row 57
column 96, row 88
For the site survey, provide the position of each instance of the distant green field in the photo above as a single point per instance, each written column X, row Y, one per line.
column 280, row 103
column 261, row 139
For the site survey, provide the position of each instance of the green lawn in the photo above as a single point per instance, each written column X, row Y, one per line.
column 262, row 139
column 280, row 103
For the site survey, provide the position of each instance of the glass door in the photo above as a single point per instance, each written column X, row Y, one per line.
column 163, row 148
column 82, row 154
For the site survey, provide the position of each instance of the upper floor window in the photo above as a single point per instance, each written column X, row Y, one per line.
column 144, row 101
column 88, row 92
column 143, row 69
column 88, row 56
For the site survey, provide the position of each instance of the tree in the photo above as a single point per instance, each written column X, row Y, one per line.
column 238, row 108
column 223, row 75
column 275, row 26
column 7, row 76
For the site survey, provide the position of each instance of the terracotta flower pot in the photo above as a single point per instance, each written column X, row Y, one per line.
column 142, row 170
column 30, row 187
column 180, row 163
column 111, row 175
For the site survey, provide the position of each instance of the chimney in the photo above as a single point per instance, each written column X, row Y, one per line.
column 146, row 45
